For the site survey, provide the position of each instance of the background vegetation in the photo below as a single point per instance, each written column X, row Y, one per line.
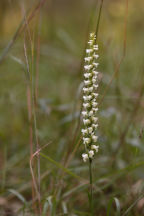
column 41, row 72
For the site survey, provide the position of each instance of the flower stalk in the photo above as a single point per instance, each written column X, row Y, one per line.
column 90, row 108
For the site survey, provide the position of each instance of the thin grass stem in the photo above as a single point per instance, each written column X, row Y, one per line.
column 99, row 16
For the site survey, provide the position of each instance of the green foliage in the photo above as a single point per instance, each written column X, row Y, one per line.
column 62, row 28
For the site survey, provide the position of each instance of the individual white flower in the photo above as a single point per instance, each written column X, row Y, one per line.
column 95, row 95
column 91, row 113
column 90, row 130
column 90, row 42
column 87, row 75
column 87, row 98
column 92, row 34
column 94, row 80
column 86, row 121
column 94, row 119
column 96, row 56
column 95, row 64
column 95, row 86
column 95, row 126
column 91, row 153
column 90, row 89
column 86, row 140
column 94, row 138
column 88, row 59
column 94, row 104
column 85, row 90
column 95, row 47
column 95, row 73
column 95, row 109
column 84, row 113
column 85, row 157
column 88, row 67
column 89, row 51
column 95, row 147
column 86, row 105
column 84, row 131
column 87, row 82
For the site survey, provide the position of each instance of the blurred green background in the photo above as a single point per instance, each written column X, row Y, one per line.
column 61, row 28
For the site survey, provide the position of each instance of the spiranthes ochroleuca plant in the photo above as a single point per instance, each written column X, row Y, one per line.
column 90, row 105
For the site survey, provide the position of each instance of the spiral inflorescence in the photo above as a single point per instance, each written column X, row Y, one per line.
column 90, row 105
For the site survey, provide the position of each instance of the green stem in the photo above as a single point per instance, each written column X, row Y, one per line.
column 99, row 16
column 91, row 186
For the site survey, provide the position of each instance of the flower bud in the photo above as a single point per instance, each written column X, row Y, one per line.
column 91, row 153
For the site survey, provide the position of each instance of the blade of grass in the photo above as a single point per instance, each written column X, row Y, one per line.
column 20, row 28
column 60, row 166
column 99, row 16
column 17, row 194
column 117, row 206
column 133, row 204
column 113, row 176
column 109, row 207
column 117, row 68
column 4, row 171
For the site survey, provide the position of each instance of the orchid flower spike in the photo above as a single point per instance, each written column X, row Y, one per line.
column 90, row 104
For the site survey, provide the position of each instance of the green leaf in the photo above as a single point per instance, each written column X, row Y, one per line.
column 109, row 207
column 117, row 206
column 133, row 204
column 18, row 195
column 60, row 166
